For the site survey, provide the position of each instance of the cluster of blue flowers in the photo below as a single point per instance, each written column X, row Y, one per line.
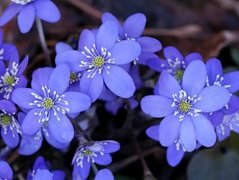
column 195, row 99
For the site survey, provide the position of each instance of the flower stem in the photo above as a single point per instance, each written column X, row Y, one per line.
column 95, row 169
column 43, row 41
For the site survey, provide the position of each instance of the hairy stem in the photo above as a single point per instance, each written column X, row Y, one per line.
column 43, row 41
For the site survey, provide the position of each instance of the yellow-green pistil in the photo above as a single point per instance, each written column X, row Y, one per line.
column 73, row 76
column 5, row 120
column 184, row 106
column 9, row 80
column 87, row 152
column 48, row 103
column 98, row 61
column 179, row 74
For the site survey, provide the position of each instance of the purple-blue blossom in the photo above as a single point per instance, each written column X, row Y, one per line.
column 6, row 171
column 99, row 57
column 10, row 127
column 28, row 11
column 174, row 62
column 182, row 107
column 49, row 103
column 41, row 171
column 132, row 29
column 12, row 77
column 93, row 152
column 104, row 174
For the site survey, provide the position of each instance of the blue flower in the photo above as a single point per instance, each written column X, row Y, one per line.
column 10, row 128
column 132, row 29
column 6, row 171
column 12, row 77
column 183, row 107
column 94, row 152
column 40, row 171
column 99, row 57
column 28, row 10
column 174, row 62
column 49, row 103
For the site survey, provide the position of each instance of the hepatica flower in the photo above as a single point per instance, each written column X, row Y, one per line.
column 6, row 171
column 12, row 77
column 183, row 107
column 132, row 29
column 41, row 171
column 174, row 62
column 94, row 152
column 49, row 103
column 99, row 57
column 28, row 10
column 10, row 128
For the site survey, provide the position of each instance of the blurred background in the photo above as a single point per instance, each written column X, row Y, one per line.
column 209, row 27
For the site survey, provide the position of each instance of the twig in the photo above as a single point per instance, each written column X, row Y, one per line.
column 86, row 8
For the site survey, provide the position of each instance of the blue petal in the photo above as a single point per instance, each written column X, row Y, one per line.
column 47, row 11
column 106, row 35
column 6, row 170
column 157, row 64
column 119, row 81
column 91, row 86
column 223, row 132
column 62, row 47
column 232, row 106
column 212, row 98
column 40, row 77
column 31, row 124
column 169, row 130
column 144, row 57
column 7, row 106
column 26, row 18
column 109, row 17
column 60, row 77
column 153, row 132
column 23, row 97
column 194, row 78
column 104, row 174
column 23, row 65
column 52, row 140
column 193, row 57
column 232, row 79
column 72, row 58
column 174, row 155
column 172, row 53
column 10, row 53
column 110, row 146
column 157, row 106
column 30, row 144
column 83, row 171
column 9, row 13
column 58, row 175
column 62, row 129
column 86, row 39
column 167, row 85
column 149, row 44
column 43, row 174
column 125, row 51
column 187, row 134
column 39, row 163
column 214, row 69
column 204, row 131
column 77, row 102
column 11, row 137
column 103, row 160
column 134, row 25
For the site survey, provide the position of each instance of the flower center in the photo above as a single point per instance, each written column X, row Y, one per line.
column 98, row 61
column 22, row 2
column 184, row 106
column 5, row 120
column 9, row 80
column 48, row 103
column 179, row 74
column 73, row 77
column 87, row 152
